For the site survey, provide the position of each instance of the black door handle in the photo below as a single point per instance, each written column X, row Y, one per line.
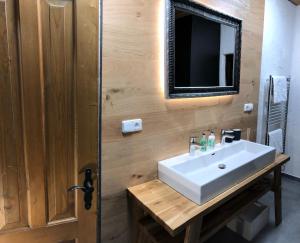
column 87, row 188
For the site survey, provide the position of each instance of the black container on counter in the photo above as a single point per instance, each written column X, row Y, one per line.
column 237, row 133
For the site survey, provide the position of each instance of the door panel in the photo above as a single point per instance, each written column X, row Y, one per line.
column 13, row 206
column 87, row 28
column 53, row 234
column 60, row 89
column 32, row 84
column 49, row 98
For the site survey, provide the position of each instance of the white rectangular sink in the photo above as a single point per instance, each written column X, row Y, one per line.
column 203, row 176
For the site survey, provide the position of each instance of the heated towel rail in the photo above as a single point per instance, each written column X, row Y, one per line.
column 276, row 117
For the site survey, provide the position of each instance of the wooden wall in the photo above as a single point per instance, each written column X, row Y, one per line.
column 133, row 88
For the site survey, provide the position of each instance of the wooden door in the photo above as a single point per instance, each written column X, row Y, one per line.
column 48, row 119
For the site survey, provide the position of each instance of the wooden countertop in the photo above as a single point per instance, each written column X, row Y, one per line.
column 174, row 211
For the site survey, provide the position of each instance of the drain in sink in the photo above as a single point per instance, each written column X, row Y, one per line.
column 222, row 166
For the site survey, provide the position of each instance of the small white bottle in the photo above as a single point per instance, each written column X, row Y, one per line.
column 211, row 141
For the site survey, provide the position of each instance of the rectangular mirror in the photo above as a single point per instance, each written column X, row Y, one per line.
column 203, row 51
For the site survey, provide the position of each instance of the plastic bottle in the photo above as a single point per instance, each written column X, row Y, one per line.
column 203, row 143
column 211, row 141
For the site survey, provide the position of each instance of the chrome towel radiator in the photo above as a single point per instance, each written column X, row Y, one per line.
column 276, row 117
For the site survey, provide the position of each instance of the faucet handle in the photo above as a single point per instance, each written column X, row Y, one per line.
column 222, row 132
column 193, row 140
column 193, row 144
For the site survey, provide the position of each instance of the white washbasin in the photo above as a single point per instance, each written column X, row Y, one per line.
column 200, row 178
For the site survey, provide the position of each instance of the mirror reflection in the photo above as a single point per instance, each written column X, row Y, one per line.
column 204, row 51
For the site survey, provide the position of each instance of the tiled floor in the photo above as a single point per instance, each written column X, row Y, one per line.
column 287, row 232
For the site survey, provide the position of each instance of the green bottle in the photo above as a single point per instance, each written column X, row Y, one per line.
column 211, row 141
column 203, row 143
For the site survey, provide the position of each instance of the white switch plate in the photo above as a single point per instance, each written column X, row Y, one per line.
column 129, row 126
column 248, row 107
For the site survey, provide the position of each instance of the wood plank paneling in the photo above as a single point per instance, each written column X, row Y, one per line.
column 133, row 88
column 12, row 170
column 33, row 109
column 58, row 52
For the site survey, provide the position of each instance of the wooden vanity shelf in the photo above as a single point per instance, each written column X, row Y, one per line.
column 152, row 232
column 218, row 218
column 159, row 214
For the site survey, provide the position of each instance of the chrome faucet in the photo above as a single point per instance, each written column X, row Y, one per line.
column 193, row 141
column 224, row 136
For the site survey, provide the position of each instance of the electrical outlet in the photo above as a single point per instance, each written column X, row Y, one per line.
column 248, row 107
column 129, row 126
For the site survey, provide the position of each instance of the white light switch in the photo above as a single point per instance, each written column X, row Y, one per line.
column 248, row 107
column 129, row 126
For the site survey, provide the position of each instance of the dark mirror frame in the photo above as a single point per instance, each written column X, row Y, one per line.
column 200, row 10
